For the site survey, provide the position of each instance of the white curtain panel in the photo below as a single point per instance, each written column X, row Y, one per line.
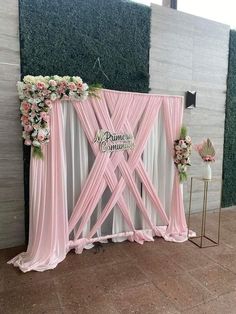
column 160, row 167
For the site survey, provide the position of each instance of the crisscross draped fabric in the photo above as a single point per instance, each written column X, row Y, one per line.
column 59, row 222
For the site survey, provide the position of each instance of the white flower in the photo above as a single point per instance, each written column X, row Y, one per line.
column 77, row 80
column 35, row 133
column 177, row 147
column 188, row 139
column 72, row 94
column 84, row 96
column 36, row 143
column 183, row 145
column 29, row 79
column 179, row 156
column 182, row 168
column 84, row 87
column 66, row 78
column 53, row 96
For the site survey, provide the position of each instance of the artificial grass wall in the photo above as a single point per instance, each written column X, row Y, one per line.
column 66, row 37
column 229, row 164
column 103, row 41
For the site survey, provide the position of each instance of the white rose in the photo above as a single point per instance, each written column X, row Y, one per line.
column 77, row 80
column 188, row 139
column 36, row 143
column 53, row 96
column 84, row 87
column 29, row 79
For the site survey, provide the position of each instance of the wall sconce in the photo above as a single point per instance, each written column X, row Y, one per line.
column 190, row 101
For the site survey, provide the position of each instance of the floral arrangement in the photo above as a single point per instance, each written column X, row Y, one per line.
column 37, row 94
column 206, row 151
column 182, row 148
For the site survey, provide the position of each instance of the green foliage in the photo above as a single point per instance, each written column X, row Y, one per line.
column 183, row 132
column 183, row 176
column 103, row 41
column 229, row 169
column 37, row 152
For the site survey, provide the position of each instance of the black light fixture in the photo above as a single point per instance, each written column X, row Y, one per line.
column 190, row 101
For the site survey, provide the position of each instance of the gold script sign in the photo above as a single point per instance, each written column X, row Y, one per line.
column 111, row 142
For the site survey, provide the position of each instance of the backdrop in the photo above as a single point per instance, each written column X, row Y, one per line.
column 80, row 194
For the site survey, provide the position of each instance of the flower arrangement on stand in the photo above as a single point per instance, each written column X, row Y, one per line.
column 182, row 149
column 37, row 94
column 206, row 151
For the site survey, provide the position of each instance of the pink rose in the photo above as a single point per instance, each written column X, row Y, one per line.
column 48, row 102
column 34, row 107
column 44, row 116
column 63, row 84
column 41, row 135
column 52, row 83
column 28, row 142
column 79, row 85
column 46, row 92
column 40, row 85
column 25, row 106
column 72, row 86
column 25, row 120
column 60, row 91
column 28, row 128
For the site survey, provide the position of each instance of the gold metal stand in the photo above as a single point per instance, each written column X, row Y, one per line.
column 204, row 212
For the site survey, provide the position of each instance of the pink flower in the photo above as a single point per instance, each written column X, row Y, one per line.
column 79, row 86
column 72, row 86
column 60, row 90
column 25, row 106
column 208, row 158
column 46, row 92
column 28, row 142
column 48, row 102
column 28, row 128
column 52, row 83
column 44, row 115
column 41, row 135
column 25, row 120
column 34, row 107
column 40, row 85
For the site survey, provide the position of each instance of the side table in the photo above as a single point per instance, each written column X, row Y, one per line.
column 199, row 240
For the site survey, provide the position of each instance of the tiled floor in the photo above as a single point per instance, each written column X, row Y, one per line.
column 157, row 277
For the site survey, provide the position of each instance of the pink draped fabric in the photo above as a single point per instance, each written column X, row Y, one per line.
column 118, row 112
column 48, row 232
column 173, row 115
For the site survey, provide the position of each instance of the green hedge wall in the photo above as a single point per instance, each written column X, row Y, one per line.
column 103, row 41
column 229, row 167
column 66, row 37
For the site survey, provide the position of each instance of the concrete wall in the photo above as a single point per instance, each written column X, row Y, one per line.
column 11, row 165
column 191, row 53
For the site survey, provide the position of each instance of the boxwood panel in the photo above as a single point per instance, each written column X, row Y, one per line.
column 229, row 168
